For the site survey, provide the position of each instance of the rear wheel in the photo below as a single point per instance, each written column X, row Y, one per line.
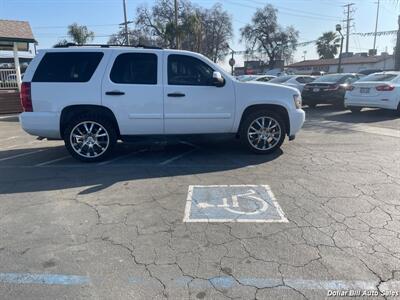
column 355, row 110
column 90, row 138
column 312, row 105
column 263, row 132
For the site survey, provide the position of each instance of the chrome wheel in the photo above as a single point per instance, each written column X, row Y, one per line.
column 264, row 133
column 89, row 139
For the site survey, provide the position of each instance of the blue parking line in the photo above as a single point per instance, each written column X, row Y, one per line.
column 50, row 279
column 226, row 282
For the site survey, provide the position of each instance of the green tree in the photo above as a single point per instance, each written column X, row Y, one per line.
column 266, row 36
column 327, row 45
column 80, row 34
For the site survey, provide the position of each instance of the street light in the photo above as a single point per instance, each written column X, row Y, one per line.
column 339, row 29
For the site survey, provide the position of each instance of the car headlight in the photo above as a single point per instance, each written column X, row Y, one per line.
column 297, row 101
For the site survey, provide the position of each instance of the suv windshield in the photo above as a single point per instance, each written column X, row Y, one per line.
column 379, row 77
column 329, row 78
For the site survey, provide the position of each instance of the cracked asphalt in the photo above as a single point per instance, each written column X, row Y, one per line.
column 117, row 226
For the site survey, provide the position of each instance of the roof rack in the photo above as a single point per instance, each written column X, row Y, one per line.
column 67, row 45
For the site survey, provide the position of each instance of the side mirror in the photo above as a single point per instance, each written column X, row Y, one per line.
column 218, row 80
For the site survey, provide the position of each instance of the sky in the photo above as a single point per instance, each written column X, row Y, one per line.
column 49, row 19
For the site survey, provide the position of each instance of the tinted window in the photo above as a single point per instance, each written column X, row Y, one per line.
column 67, row 66
column 330, row 78
column 379, row 77
column 300, row 80
column 280, row 79
column 135, row 68
column 187, row 70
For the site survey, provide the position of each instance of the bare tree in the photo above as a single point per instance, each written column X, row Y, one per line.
column 265, row 35
column 80, row 34
column 206, row 31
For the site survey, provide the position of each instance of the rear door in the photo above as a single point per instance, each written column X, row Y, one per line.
column 133, row 89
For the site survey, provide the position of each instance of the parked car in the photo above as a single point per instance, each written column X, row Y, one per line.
column 369, row 71
column 296, row 81
column 329, row 88
column 318, row 73
column 262, row 78
column 380, row 90
column 93, row 96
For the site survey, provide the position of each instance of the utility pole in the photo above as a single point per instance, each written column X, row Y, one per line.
column 348, row 19
column 126, row 25
column 397, row 49
column 176, row 24
column 376, row 25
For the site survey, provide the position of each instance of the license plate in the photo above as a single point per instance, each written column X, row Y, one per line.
column 315, row 90
column 364, row 90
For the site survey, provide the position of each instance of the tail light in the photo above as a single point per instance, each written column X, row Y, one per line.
column 26, row 96
column 332, row 87
column 385, row 88
column 350, row 87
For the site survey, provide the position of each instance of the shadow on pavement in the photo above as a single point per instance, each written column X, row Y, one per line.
column 207, row 157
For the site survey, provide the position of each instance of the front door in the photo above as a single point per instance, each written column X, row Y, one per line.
column 133, row 90
column 192, row 103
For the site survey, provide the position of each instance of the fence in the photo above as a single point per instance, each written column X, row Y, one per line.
column 8, row 79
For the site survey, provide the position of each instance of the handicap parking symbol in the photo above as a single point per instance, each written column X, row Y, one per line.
column 232, row 203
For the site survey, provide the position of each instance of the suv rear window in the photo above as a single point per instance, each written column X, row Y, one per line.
column 135, row 68
column 67, row 66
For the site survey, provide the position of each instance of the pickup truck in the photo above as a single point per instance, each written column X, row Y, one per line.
column 93, row 96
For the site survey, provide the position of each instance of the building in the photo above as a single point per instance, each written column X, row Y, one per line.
column 15, row 36
column 350, row 64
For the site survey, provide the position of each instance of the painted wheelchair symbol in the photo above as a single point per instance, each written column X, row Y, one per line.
column 235, row 200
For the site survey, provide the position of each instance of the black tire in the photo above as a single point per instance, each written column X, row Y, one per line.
column 252, row 117
column 108, row 128
column 355, row 110
column 312, row 105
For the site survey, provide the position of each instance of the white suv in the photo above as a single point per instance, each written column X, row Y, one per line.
column 93, row 96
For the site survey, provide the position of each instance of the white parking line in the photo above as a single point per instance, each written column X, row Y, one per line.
column 120, row 157
column 8, row 117
column 22, row 154
column 52, row 161
column 176, row 157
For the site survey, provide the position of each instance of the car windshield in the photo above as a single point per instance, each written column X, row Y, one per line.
column 379, row 77
column 329, row 78
column 280, row 79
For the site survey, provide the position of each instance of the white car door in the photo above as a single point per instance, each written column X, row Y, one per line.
column 193, row 104
column 133, row 89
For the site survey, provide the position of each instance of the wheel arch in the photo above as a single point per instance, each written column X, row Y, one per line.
column 73, row 111
column 279, row 109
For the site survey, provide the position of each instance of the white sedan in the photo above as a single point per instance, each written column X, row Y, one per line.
column 381, row 90
column 296, row 81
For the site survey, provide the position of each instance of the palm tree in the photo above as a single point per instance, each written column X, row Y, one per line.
column 327, row 45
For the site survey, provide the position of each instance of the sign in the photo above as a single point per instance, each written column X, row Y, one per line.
column 232, row 203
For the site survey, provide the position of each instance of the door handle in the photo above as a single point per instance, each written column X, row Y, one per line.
column 115, row 93
column 176, row 95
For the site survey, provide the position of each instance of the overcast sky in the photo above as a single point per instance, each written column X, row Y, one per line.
column 49, row 18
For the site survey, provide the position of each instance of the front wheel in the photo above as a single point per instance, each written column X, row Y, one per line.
column 263, row 132
column 90, row 138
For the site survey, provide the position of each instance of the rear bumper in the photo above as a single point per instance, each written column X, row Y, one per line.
column 44, row 124
column 333, row 97
column 297, row 118
column 371, row 102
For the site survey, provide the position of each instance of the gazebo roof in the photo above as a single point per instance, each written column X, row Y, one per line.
column 16, row 31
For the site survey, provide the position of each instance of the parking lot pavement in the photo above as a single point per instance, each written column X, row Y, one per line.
column 117, row 229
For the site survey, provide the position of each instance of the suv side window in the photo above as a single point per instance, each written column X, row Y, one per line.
column 188, row 70
column 67, row 66
column 135, row 68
